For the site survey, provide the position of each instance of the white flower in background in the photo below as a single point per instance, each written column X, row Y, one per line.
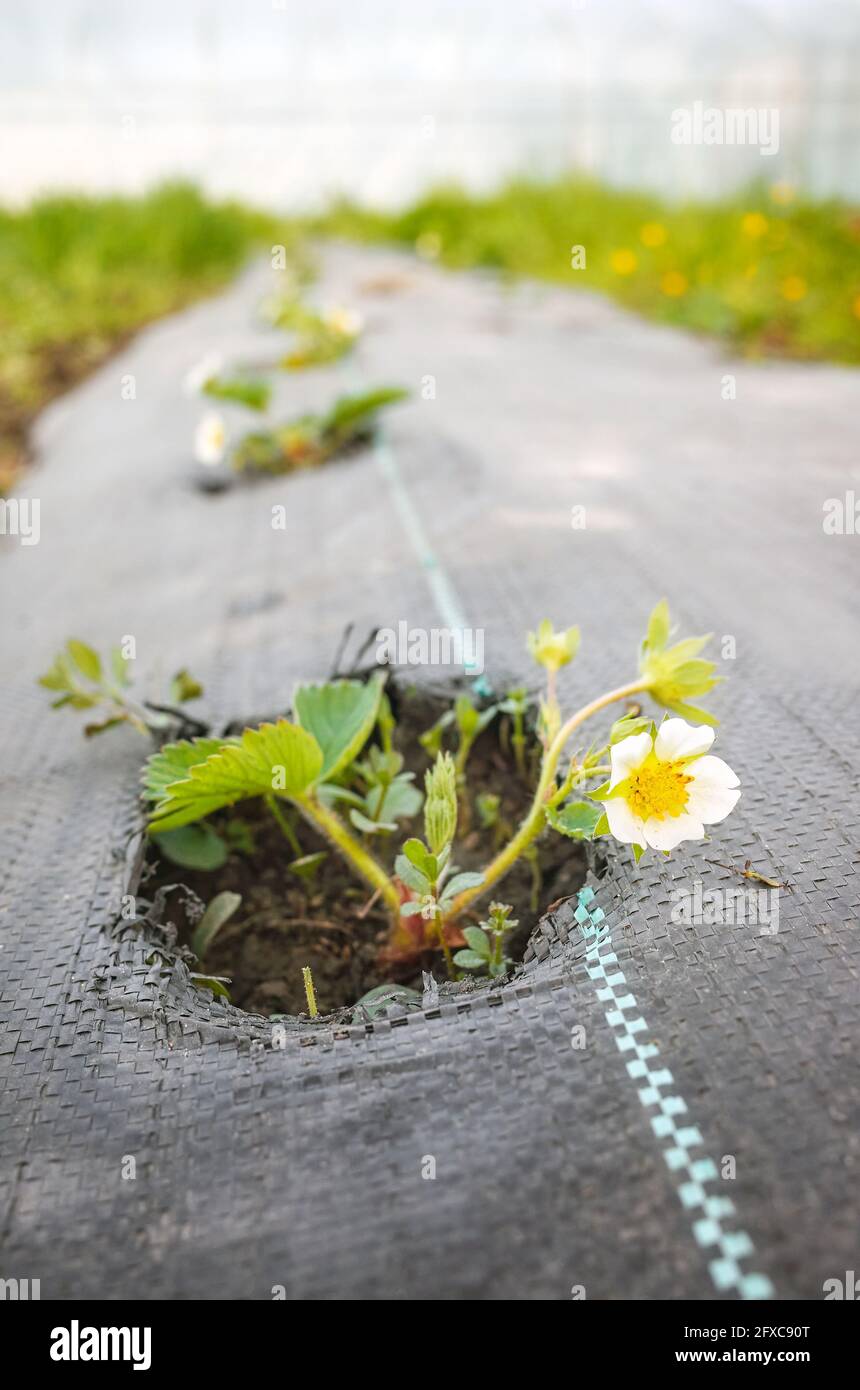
column 346, row 322
column 210, row 440
column 663, row 789
column 203, row 371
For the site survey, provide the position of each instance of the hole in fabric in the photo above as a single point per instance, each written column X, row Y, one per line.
column 287, row 921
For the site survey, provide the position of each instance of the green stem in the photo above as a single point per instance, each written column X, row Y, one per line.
column 535, row 820
column 310, row 992
column 449, row 959
column 551, row 685
column 384, row 788
column 575, row 776
column 519, row 744
column 464, row 748
column 463, row 803
column 284, row 824
column 364, row 863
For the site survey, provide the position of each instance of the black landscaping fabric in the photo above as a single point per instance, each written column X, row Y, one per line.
column 558, row 1168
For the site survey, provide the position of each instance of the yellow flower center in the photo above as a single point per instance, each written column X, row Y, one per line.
column 657, row 789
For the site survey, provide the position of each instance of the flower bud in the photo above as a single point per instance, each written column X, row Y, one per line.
column 553, row 649
column 677, row 674
column 440, row 803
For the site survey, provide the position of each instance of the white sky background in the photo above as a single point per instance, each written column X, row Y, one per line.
column 288, row 101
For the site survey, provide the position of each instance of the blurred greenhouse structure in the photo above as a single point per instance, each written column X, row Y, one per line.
column 286, row 103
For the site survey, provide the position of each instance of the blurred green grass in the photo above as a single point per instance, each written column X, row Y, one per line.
column 768, row 272
column 79, row 274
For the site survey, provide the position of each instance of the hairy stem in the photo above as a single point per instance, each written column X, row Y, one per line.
column 361, row 861
column 535, row 820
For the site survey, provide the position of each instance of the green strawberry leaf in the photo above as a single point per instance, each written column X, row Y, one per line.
column 87, row 661
column 193, row 847
column 578, row 819
column 119, row 666
column 402, row 799
column 340, row 716
column 59, row 675
column 280, row 758
column 350, row 412
column 172, row 763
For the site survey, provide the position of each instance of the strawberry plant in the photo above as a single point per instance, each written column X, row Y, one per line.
column 335, row 767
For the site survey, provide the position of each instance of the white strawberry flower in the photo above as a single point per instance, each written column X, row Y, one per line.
column 210, row 440
column 203, row 371
column 345, row 322
column 666, row 788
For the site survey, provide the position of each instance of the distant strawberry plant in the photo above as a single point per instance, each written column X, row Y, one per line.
column 311, row 440
column 319, row 338
column 83, row 680
column 308, row 440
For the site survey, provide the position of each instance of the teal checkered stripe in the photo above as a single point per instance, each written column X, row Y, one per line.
column 693, row 1173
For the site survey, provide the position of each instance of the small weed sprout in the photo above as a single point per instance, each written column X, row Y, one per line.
column 515, row 704
column 310, row 992
column 84, row 681
column 427, row 869
column 485, row 949
column 318, row 338
column 470, row 723
column 307, row 440
column 488, row 806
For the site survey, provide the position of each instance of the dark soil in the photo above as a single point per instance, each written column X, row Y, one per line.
column 285, row 923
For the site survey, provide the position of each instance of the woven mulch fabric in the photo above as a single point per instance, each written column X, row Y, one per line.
column 603, row 1167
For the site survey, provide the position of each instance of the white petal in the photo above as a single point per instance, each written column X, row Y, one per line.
column 627, row 755
column 624, row 825
column 667, row 833
column 210, row 440
column 712, row 804
column 678, row 739
column 714, row 790
column 712, row 771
